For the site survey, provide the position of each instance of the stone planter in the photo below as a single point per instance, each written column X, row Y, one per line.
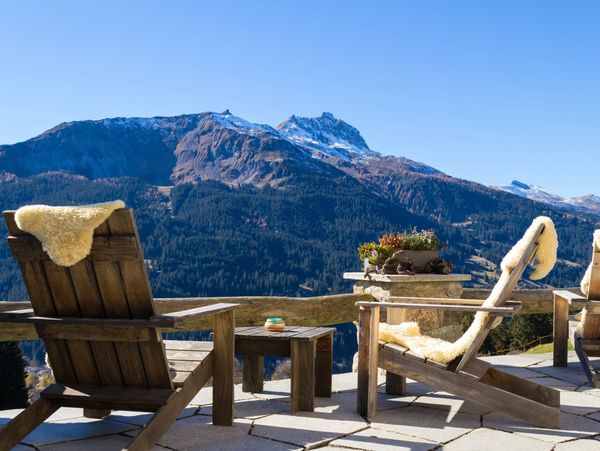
column 419, row 259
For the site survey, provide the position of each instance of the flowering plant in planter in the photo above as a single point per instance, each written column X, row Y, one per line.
column 405, row 253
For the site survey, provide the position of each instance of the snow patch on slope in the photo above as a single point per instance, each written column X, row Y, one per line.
column 228, row 120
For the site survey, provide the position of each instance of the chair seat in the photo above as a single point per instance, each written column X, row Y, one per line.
column 184, row 357
column 401, row 350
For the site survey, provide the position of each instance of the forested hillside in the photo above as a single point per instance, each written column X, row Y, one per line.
column 210, row 239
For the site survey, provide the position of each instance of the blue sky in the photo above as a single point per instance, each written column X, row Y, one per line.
column 489, row 91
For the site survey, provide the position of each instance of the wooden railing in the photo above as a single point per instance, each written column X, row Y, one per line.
column 313, row 311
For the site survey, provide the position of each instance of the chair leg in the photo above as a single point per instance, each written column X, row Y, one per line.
column 394, row 384
column 168, row 413
column 160, row 422
column 30, row 418
column 588, row 369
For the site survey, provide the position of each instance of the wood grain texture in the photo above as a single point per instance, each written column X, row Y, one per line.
column 223, row 343
column 521, row 405
column 30, row 418
column 303, row 375
column 560, row 331
column 172, row 408
column 324, row 366
column 395, row 384
column 253, row 310
column 253, row 369
column 28, row 248
column 98, row 321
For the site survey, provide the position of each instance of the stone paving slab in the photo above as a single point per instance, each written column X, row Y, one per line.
column 74, row 429
column 333, row 418
column 421, row 419
column 578, row 403
column 450, row 403
column 579, row 445
column 573, row 373
column 493, row 440
column 380, row 440
column 433, row 424
column 571, row 427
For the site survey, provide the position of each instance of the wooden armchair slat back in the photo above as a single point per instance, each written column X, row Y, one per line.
column 110, row 283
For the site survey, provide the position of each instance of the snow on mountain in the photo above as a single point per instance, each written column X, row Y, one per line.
column 326, row 135
column 228, row 120
column 586, row 204
column 209, row 145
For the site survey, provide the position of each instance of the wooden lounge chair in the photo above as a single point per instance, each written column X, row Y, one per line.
column 585, row 332
column 465, row 376
column 101, row 333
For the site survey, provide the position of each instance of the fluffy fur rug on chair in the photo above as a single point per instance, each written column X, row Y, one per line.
column 66, row 233
column 409, row 335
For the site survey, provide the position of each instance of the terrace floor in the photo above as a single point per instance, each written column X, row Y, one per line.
column 422, row 419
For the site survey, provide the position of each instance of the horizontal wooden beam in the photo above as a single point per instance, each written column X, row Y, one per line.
column 253, row 310
column 181, row 316
column 539, row 300
column 313, row 311
column 498, row 311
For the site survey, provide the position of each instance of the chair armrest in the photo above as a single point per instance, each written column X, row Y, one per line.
column 496, row 311
column 570, row 297
column 11, row 314
column 452, row 301
column 182, row 315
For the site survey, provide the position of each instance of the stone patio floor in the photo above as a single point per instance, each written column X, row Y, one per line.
column 423, row 419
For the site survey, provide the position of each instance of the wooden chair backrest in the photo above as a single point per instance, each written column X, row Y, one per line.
column 509, row 286
column 110, row 283
column 591, row 328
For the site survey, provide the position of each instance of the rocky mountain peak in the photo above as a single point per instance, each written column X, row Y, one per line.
column 326, row 136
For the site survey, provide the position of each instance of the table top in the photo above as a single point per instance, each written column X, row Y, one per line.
column 290, row 332
column 401, row 278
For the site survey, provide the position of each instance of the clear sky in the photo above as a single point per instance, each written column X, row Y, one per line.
column 485, row 90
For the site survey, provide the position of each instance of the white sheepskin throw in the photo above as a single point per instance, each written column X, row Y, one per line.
column 66, row 233
column 441, row 351
column 585, row 282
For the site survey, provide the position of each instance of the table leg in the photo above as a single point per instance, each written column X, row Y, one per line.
column 253, row 373
column 394, row 384
column 324, row 366
column 303, row 375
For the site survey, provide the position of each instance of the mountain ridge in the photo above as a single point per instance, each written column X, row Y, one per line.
column 192, row 147
column 586, row 204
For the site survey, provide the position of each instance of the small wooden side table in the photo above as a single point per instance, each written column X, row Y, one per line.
column 310, row 349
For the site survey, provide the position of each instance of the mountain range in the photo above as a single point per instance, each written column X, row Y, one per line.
column 588, row 204
column 226, row 206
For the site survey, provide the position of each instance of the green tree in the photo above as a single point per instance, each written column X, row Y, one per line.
column 13, row 394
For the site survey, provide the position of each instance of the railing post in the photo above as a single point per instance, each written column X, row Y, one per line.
column 561, row 331
column 368, row 359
